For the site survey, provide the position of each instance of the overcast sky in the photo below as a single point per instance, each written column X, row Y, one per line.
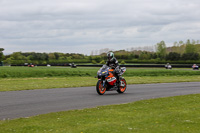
column 80, row 26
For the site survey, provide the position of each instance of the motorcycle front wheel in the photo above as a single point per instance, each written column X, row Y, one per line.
column 122, row 87
column 99, row 87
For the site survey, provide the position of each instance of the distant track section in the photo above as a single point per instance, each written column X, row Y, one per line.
column 146, row 65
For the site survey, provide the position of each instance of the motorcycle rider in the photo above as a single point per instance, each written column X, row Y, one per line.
column 113, row 63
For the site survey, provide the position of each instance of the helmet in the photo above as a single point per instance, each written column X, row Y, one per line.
column 110, row 56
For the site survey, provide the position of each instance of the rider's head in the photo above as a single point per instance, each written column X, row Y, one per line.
column 110, row 56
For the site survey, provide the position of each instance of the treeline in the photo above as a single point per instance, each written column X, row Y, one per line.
column 179, row 53
column 19, row 58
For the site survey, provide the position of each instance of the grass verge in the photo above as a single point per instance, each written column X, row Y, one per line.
column 173, row 114
column 15, row 84
column 36, row 72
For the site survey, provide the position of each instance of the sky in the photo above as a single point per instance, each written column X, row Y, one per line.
column 83, row 26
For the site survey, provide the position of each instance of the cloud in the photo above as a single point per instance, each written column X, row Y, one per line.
column 85, row 25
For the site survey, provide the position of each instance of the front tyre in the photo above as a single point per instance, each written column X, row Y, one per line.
column 122, row 87
column 99, row 87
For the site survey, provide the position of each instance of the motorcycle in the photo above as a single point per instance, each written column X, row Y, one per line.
column 108, row 82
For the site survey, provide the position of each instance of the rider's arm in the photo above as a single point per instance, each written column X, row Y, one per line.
column 116, row 62
column 107, row 63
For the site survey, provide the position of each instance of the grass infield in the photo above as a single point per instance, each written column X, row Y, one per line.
column 173, row 114
column 16, row 84
column 36, row 72
column 26, row 78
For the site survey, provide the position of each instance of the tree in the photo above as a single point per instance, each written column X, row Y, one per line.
column 161, row 49
column 97, row 58
column 173, row 56
column 190, row 48
column 1, row 54
column 190, row 56
column 18, row 56
column 180, row 42
column 56, row 55
column 1, row 49
column 52, row 56
column 9, row 60
column 144, row 56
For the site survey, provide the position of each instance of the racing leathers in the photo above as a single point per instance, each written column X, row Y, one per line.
column 114, row 65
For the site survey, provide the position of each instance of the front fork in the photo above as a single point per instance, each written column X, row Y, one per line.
column 103, row 81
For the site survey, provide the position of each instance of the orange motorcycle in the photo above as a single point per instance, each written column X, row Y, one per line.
column 107, row 81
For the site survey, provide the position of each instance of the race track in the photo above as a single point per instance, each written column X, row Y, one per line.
column 16, row 104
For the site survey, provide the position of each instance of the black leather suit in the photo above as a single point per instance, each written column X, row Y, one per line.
column 115, row 65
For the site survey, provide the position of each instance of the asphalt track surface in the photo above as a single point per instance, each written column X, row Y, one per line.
column 16, row 104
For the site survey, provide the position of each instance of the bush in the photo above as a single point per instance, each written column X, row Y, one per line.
column 94, row 62
column 102, row 62
column 123, row 62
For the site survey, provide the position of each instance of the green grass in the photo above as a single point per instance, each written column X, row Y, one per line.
column 174, row 114
column 14, row 84
column 26, row 78
column 24, row 72
column 27, row 72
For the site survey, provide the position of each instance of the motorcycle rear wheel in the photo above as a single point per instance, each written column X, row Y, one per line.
column 122, row 89
column 99, row 88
